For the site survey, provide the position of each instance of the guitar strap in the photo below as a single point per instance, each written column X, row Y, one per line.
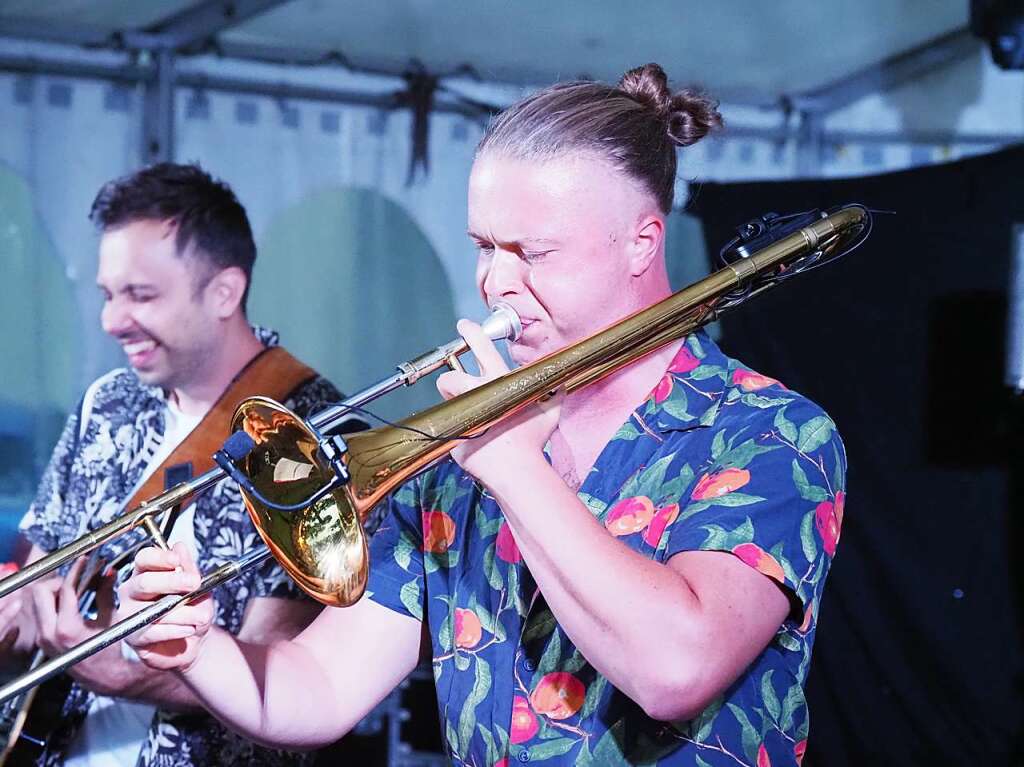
column 273, row 373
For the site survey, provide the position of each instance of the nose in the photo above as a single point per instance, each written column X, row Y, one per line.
column 115, row 318
column 504, row 276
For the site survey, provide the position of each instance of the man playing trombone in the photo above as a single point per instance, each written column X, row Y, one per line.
column 175, row 263
column 626, row 574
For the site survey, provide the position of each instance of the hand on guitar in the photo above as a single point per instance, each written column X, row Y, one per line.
column 173, row 642
column 10, row 612
column 55, row 606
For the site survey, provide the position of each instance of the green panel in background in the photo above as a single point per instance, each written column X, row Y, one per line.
column 354, row 287
column 39, row 357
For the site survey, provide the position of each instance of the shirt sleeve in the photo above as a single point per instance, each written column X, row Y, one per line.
column 773, row 497
column 396, row 553
column 41, row 524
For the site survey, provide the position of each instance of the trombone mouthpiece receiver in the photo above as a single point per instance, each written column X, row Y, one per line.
column 503, row 324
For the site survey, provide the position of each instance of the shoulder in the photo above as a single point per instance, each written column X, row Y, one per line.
column 117, row 391
column 760, row 404
column 312, row 395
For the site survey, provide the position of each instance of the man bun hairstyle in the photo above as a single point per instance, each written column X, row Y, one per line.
column 635, row 126
column 209, row 218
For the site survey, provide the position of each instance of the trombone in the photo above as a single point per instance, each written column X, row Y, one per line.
column 308, row 494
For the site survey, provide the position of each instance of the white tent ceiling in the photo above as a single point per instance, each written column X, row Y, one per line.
column 740, row 50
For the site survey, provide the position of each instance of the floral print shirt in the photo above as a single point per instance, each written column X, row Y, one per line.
column 97, row 463
column 719, row 458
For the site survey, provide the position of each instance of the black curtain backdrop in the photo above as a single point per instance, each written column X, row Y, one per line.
column 918, row 659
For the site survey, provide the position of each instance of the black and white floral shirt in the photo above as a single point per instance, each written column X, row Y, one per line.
column 97, row 463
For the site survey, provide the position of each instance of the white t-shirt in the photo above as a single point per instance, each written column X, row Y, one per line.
column 115, row 730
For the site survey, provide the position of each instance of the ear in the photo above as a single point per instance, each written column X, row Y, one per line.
column 225, row 291
column 648, row 240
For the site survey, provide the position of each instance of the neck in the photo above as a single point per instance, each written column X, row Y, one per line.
column 237, row 348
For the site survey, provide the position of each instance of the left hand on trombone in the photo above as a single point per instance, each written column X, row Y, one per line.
column 491, row 455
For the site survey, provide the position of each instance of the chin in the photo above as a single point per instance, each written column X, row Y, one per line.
column 151, row 377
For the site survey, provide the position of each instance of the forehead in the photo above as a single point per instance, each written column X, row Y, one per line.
column 141, row 251
column 546, row 196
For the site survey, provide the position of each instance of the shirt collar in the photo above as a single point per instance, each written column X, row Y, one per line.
column 690, row 393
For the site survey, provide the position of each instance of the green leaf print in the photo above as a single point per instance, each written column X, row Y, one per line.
column 786, row 427
column 717, row 446
column 538, row 625
column 651, row 479
column 734, row 499
column 771, row 700
column 738, row 457
column 462, row 661
column 627, row 432
column 410, row 596
column 549, row 660
column 762, row 403
column 726, row 540
column 673, row 490
column 704, row 372
column 593, row 697
column 596, row 505
column 551, row 748
column 808, row 540
column 677, row 406
column 451, row 736
column 491, row 570
column 493, row 754
column 695, row 347
column 751, row 737
column 406, row 494
column 790, row 704
column 575, row 663
column 700, row 726
column 433, row 562
column 607, row 752
column 807, row 491
column 814, row 434
column 838, row 477
column 403, row 551
column 700, row 762
column 481, row 687
column 789, row 642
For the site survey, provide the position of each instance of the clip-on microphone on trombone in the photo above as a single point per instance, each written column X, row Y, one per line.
column 239, row 445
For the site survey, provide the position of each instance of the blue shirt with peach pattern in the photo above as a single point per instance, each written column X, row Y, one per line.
column 718, row 458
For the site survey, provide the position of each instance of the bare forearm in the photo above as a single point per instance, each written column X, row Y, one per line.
column 272, row 694
column 610, row 600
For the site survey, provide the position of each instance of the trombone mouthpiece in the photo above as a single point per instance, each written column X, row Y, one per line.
column 503, row 324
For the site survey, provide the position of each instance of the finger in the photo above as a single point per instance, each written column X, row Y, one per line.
column 66, row 596
column 147, row 586
column 158, row 633
column 490, row 360
column 44, row 609
column 9, row 610
column 197, row 615
column 152, row 558
column 188, row 563
column 455, row 382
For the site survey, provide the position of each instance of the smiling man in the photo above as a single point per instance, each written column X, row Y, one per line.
column 175, row 260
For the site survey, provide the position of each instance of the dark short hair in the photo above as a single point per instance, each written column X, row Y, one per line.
column 206, row 212
column 635, row 126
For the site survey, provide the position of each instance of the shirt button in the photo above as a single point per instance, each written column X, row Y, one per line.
column 529, row 665
column 524, row 755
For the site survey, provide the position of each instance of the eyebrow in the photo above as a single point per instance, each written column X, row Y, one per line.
column 516, row 240
column 131, row 287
